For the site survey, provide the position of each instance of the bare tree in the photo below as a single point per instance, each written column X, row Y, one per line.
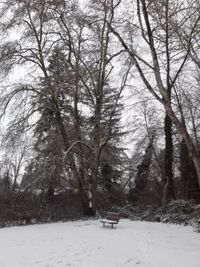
column 93, row 69
column 178, row 60
column 14, row 162
column 87, row 48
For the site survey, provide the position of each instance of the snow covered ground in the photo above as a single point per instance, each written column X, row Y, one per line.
column 88, row 244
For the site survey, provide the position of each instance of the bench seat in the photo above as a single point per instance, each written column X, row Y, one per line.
column 111, row 218
column 109, row 221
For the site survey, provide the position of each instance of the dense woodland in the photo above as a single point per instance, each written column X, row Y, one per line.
column 99, row 105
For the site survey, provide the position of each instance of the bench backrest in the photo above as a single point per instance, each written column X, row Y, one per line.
column 113, row 216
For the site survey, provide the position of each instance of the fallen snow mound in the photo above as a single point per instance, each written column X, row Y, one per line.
column 88, row 244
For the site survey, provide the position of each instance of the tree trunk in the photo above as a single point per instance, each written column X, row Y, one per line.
column 182, row 130
column 168, row 122
column 84, row 201
column 168, row 158
column 190, row 189
column 185, row 169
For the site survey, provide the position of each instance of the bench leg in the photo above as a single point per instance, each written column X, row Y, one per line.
column 103, row 224
column 112, row 225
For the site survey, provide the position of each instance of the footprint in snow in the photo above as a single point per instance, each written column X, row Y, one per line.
column 130, row 261
column 127, row 262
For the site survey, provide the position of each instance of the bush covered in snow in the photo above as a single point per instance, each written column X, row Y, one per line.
column 178, row 212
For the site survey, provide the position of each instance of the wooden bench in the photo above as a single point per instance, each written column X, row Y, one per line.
column 111, row 218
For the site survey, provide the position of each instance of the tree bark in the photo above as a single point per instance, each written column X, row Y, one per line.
column 168, row 122
column 168, row 158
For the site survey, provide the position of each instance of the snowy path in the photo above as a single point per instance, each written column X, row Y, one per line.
column 88, row 244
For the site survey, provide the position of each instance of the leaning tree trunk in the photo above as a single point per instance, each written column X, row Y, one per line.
column 190, row 189
column 182, row 130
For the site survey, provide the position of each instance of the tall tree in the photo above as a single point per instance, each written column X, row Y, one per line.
column 90, row 50
column 81, row 74
column 158, row 87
